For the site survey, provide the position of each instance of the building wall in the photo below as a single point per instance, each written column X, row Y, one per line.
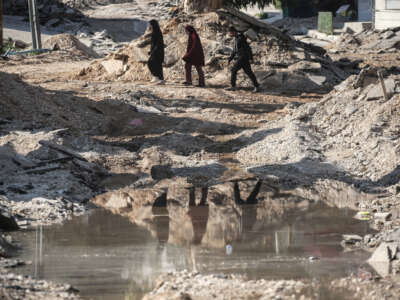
column 365, row 10
column 387, row 18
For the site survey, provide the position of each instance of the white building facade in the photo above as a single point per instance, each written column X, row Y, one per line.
column 387, row 14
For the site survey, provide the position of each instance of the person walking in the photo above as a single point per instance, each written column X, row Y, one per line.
column 244, row 56
column 194, row 56
column 156, row 58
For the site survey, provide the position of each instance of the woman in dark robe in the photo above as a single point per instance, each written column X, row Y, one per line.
column 194, row 56
column 156, row 58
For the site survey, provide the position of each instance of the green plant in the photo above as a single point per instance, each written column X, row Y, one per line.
column 278, row 4
column 262, row 15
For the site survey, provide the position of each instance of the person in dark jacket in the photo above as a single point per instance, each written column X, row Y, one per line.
column 156, row 58
column 244, row 56
column 194, row 56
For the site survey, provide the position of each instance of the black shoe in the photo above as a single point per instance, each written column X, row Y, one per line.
column 186, row 83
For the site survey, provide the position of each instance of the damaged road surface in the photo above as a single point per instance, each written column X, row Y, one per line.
column 115, row 188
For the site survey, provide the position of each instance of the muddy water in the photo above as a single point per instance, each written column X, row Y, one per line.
column 107, row 257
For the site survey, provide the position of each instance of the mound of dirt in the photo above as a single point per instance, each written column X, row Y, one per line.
column 69, row 43
column 353, row 133
column 280, row 61
column 41, row 107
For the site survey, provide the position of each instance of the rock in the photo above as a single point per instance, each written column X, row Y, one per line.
column 20, row 44
column 302, row 82
column 376, row 91
column 7, row 222
column 118, row 201
column 382, row 216
column 319, row 80
column 305, row 66
column 114, row 66
column 385, row 44
column 388, row 34
column 6, row 248
column 394, row 236
column 383, row 253
column 351, row 238
column 251, row 34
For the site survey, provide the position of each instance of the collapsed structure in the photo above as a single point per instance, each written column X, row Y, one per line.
column 280, row 60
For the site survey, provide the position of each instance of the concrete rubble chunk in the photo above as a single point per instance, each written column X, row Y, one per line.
column 394, row 236
column 305, row 66
column 376, row 91
column 113, row 66
column 357, row 27
column 251, row 34
column 384, row 253
column 7, row 222
column 388, row 34
column 351, row 238
column 319, row 80
column 382, row 216
column 381, row 254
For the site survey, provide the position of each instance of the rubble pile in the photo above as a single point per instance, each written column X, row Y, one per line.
column 68, row 42
column 51, row 12
column 377, row 40
column 42, row 182
column 39, row 108
column 280, row 61
column 352, row 134
column 301, row 26
column 185, row 285
column 13, row 286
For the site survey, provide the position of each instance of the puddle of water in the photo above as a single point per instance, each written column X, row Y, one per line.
column 107, row 257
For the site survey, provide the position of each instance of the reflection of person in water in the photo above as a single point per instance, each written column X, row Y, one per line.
column 248, row 207
column 161, row 219
column 198, row 214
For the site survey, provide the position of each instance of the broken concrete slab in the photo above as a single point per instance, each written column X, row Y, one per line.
column 384, row 253
column 319, row 80
column 307, row 66
column 113, row 66
column 351, row 238
column 382, row 216
column 388, row 34
column 376, row 91
column 357, row 27
column 394, row 236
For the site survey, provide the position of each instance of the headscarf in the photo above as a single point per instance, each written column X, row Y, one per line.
column 157, row 41
column 156, row 28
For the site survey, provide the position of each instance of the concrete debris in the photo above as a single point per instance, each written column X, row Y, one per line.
column 291, row 60
column 376, row 92
column 317, row 134
column 67, row 42
column 352, row 238
column 48, row 10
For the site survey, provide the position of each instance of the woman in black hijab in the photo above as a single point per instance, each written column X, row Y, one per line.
column 156, row 58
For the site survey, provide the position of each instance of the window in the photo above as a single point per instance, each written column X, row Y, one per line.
column 392, row 4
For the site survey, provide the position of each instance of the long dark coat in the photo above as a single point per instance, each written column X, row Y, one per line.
column 194, row 53
column 157, row 43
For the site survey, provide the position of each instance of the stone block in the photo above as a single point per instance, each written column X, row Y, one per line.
column 357, row 27
column 376, row 91
column 113, row 66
